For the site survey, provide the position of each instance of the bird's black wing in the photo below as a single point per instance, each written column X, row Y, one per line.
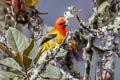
column 47, row 38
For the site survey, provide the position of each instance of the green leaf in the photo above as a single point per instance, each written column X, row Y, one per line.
column 28, row 49
column 61, row 53
column 17, row 41
column 9, row 62
column 19, row 60
column 99, row 2
column 102, row 7
column 27, row 62
column 51, row 72
column 23, row 61
column 34, row 51
column 4, row 75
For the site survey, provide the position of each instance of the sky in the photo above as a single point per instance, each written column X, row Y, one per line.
column 56, row 8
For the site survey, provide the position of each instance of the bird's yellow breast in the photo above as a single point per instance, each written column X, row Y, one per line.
column 52, row 43
column 57, row 40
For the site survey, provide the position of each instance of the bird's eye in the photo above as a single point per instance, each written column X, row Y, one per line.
column 61, row 24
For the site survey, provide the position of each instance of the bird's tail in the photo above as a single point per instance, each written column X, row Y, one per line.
column 42, row 49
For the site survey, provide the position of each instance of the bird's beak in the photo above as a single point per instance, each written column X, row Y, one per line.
column 64, row 25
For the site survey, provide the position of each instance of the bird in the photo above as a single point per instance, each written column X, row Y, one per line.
column 55, row 36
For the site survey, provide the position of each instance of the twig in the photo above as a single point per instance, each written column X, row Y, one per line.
column 61, row 68
column 80, row 21
column 88, row 64
column 6, row 50
column 99, row 48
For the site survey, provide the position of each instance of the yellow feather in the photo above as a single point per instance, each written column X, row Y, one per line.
column 31, row 3
column 52, row 43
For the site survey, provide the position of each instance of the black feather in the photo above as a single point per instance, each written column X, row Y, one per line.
column 49, row 37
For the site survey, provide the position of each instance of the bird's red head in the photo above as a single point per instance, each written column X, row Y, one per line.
column 60, row 25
